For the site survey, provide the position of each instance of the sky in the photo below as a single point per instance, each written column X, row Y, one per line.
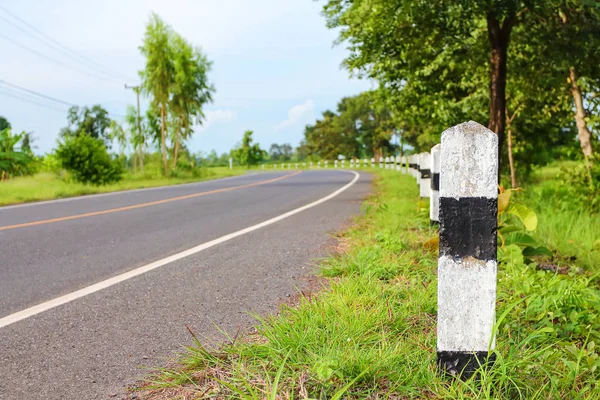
column 275, row 66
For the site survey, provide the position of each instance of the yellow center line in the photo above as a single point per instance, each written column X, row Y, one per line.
column 141, row 205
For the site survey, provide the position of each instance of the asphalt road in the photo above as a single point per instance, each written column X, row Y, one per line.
column 93, row 346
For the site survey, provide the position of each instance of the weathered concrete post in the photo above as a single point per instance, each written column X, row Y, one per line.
column 326, row 163
column 424, row 174
column 343, row 162
column 230, row 163
column 372, row 162
column 434, row 199
column 467, row 262
column 335, row 164
column 380, row 162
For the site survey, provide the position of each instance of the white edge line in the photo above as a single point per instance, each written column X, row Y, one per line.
column 126, row 191
column 48, row 305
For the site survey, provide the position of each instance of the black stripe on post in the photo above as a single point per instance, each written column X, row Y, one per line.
column 456, row 363
column 425, row 173
column 468, row 227
column 435, row 181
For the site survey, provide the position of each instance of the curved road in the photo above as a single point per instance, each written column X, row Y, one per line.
column 84, row 304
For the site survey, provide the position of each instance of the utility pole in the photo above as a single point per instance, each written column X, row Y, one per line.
column 136, row 89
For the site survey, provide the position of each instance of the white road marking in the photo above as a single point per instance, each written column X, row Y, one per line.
column 48, row 305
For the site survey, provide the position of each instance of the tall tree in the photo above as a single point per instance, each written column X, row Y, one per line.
column 437, row 49
column 191, row 89
column 13, row 158
column 158, row 76
column 117, row 133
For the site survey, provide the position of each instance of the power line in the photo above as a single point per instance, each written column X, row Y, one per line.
column 65, row 50
column 57, row 48
column 37, row 93
column 27, row 100
column 111, row 80
column 21, row 91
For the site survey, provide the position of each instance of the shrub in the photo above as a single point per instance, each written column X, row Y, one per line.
column 88, row 160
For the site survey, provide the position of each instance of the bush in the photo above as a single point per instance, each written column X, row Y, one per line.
column 88, row 160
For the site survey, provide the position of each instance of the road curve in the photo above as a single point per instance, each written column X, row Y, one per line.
column 92, row 346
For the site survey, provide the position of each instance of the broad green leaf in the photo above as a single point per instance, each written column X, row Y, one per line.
column 509, row 229
column 527, row 216
column 520, row 239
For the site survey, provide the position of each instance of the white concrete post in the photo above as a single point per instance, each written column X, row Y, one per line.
column 352, row 163
column 296, row 165
column 387, row 162
column 230, row 163
column 380, row 162
column 425, row 174
column 310, row 165
column 343, row 162
column 274, row 166
column 434, row 199
column 467, row 264
column 335, row 164
column 303, row 165
column 263, row 167
column 319, row 164
column 372, row 162
column 365, row 163
column 326, row 163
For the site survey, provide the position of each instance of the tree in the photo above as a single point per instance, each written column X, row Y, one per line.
column 94, row 122
column 438, row 55
column 191, row 90
column 248, row 154
column 14, row 159
column 158, row 76
column 117, row 133
column 87, row 158
column 4, row 123
column 137, row 136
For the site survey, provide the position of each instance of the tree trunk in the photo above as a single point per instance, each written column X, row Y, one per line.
column 163, row 139
column 499, row 37
column 585, row 137
column 176, row 151
column 141, row 157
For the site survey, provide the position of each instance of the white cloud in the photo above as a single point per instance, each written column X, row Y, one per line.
column 217, row 116
column 296, row 113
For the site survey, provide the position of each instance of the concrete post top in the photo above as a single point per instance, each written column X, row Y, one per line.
column 469, row 162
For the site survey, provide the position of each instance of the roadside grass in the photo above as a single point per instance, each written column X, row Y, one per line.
column 572, row 231
column 371, row 334
column 47, row 186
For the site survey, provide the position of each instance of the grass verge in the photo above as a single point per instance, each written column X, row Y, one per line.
column 48, row 186
column 371, row 333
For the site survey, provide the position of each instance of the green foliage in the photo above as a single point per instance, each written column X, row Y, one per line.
column 87, row 159
column 362, row 127
column 15, row 154
column 514, row 220
column 281, row 152
column 175, row 79
column 248, row 154
column 94, row 122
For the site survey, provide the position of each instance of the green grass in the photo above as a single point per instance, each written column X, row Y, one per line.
column 564, row 225
column 371, row 334
column 47, row 186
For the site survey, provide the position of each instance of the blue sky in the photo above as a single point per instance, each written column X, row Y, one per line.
column 275, row 66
